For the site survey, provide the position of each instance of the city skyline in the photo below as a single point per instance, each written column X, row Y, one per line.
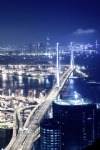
column 27, row 21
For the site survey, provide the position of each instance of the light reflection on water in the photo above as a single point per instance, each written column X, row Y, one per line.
column 21, row 85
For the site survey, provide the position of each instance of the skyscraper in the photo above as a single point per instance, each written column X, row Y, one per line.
column 48, row 43
column 77, row 121
column 50, row 135
column 30, row 48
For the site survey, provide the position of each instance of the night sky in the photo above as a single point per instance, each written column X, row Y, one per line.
column 29, row 21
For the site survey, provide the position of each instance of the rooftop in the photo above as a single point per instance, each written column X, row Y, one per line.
column 72, row 101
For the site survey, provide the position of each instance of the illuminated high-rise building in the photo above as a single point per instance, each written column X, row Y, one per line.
column 50, row 135
column 77, row 123
column 48, row 44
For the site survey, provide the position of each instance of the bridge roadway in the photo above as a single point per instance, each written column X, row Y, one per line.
column 30, row 132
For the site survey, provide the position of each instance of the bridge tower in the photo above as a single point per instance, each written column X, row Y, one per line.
column 57, row 65
column 71, row 56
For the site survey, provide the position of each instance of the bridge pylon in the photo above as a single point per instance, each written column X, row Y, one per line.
column 57, row 66
column 71, row 56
